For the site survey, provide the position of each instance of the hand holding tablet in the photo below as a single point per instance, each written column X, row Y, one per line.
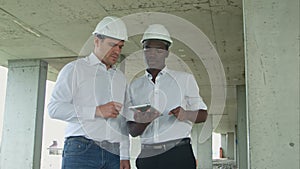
column 145, row 113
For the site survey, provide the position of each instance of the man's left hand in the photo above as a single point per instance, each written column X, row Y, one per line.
column 124, row 164
column 179, row 113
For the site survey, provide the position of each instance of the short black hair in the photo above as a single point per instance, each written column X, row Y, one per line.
column 101, row 36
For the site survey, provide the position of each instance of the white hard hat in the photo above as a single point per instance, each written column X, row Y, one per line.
column 157, row 31
column 112, row 27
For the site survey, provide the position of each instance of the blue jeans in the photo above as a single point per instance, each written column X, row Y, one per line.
column 82, row 153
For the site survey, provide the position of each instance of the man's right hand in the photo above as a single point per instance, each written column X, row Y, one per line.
column 145, row 117
column 108, row 110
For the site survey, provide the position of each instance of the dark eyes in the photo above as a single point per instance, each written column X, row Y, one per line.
column 111, row 44
column 149, row 47
column 157, row 50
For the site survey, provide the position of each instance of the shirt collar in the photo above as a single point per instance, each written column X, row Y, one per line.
column 92, row 59
column 162, row 72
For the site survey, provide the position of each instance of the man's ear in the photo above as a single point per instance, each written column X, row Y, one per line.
column 96, row 41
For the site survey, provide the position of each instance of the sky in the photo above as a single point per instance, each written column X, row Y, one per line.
column 54, row 129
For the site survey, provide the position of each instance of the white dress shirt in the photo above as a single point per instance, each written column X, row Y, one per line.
column 170, row 90
column 80, row 87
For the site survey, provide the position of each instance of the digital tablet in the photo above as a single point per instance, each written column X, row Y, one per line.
column 143, row 108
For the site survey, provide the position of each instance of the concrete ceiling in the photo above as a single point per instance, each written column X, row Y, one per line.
column 58, row 31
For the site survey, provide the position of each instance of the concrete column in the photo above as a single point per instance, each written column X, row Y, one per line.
column 242, row 152
column 202, row 143
column 224, row 144
column 272, row 82
column 230, row 145
column 23, row 117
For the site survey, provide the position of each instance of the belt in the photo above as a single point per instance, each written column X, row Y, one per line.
column 107, row 145
column 112, row 147
column 167, row 145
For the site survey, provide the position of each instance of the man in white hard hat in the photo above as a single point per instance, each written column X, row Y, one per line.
column 89, row 95
column 176, row 104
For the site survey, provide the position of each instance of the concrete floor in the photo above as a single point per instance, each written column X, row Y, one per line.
column 224, row 164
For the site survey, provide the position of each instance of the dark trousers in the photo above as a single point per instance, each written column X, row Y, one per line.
column 179, row 157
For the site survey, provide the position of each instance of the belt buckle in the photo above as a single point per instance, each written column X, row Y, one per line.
column 104, row 143
column 163, row 146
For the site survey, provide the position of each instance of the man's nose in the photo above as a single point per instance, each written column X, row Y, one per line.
column 117, row 49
